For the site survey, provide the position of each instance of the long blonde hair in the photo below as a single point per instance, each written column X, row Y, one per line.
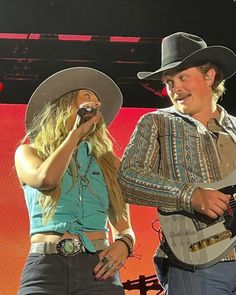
column 49, row 129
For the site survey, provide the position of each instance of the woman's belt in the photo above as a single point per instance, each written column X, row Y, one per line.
column 67, row 247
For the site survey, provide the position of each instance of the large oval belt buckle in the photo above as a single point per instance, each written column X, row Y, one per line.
column 69, row 247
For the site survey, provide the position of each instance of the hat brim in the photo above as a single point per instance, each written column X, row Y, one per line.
column 65, row 81
column 218, row 55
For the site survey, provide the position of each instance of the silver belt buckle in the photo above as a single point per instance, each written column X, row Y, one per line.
column 69, row 247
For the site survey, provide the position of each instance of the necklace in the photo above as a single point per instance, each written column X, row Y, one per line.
column 83, row 178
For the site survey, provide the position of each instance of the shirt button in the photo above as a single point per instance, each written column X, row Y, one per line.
column 227, row 165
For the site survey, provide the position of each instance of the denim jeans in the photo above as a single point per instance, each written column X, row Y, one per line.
column 219, row 279
column 58, row 275
column 162, row 270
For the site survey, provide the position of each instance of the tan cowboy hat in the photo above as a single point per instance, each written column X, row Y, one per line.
column 182, row 50
column 75, row 78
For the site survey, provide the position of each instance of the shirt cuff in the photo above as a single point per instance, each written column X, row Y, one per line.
column 185, row 199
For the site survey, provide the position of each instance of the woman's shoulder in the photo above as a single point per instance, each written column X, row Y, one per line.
column 24, row 149
column 26, row 152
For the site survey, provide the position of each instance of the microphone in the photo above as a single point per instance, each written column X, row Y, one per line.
column 86, row 113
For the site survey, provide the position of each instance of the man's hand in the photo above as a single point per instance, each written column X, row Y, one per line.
column 210, row 202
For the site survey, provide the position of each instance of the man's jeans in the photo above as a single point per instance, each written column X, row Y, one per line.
column 219, row 279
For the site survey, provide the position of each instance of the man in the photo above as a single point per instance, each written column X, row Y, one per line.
column 172, row 152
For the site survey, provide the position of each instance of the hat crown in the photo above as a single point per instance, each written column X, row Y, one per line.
column 178, row 46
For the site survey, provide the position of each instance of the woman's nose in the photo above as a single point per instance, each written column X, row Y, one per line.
column 97, row 104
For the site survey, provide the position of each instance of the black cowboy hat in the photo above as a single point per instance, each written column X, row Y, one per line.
column 67, row 80
column 182, row 50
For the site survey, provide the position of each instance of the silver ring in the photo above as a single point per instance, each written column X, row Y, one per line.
column 109, row 265
column 104, row 260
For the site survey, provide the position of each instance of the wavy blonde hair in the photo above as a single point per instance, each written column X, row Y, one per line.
column 49, row 129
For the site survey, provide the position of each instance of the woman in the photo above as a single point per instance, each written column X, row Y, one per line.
column 68, row 172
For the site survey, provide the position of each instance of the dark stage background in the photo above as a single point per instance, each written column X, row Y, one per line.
column 119, row 37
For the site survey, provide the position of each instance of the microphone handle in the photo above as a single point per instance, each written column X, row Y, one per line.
column 86, row 113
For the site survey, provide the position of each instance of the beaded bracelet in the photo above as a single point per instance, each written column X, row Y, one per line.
column 126, row 236
column 129, row 237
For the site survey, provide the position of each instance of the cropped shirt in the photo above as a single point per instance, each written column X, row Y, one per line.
column 82, row 206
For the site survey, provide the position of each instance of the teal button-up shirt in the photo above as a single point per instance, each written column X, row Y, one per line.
column 82, row 206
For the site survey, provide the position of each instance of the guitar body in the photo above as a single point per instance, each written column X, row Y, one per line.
column 202, row 248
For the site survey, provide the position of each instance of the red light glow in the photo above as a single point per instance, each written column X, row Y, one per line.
column 164, row 92
column 13, row 36
column 75, row 37
column 34, row 36
column 124, row 39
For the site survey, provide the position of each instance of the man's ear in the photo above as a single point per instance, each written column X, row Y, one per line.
column 210, row 76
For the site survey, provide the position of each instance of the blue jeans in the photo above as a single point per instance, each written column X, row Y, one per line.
column 219, row 279
column 58, row 275
column 162, row 270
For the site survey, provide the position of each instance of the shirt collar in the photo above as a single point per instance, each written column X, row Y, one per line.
column 86, row 147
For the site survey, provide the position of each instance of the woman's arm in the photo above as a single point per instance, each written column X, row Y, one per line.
column 46, row 174
column 114, row 257
column 122, row 226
